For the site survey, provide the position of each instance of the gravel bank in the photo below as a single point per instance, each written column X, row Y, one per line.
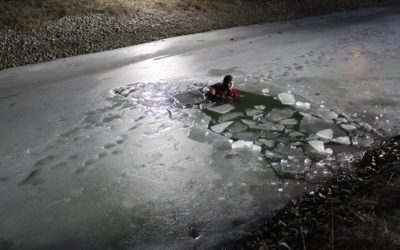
column 354, row 211
column 77, row 35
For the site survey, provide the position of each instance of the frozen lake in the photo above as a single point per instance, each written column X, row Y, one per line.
column 97, row 154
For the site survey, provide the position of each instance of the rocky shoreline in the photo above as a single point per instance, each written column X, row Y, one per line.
column 89, row 33
column 359, row 210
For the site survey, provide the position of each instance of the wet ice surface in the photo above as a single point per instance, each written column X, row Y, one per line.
column 96, row 153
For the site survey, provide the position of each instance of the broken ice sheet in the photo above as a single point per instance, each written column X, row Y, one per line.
column 242, row 144
column 229, row 116
column 268, row 143
column 253, row 112
column 310, row 124
column 270, row 126
column 249, row 122
column 246, row 136
column 327, row 114
column 344, row 140
column 319, row 147
column 289, row 122
column 237, row 127
column 325, row 134
column 276, row 115
column 270, row 134
column 219, row 128
column 303, row 105
column 348, row 127
column 296, row 135
column 287, row 98
column 363, row 141
column 186, row 99
column 221, row 109
column 259, row 107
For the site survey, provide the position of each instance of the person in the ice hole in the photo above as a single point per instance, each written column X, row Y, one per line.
column 223, row 91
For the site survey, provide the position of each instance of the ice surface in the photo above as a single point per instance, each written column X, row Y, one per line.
column 219, row 128
column 345, row 140
column 63, row 113
column 237, row 127
column 221, row 109
column 276, row 115
column 229, row 116
column 287, row 98
column 325, row 134
column 319, row 147
column 189, row 98
column 303, row 105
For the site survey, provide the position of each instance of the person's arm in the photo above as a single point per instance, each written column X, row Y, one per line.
column 234, row 93
column 212, row 91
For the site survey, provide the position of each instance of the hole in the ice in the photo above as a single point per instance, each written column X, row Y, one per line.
column 299, row 139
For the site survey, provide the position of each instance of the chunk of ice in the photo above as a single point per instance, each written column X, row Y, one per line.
column 253, row 112
column 319, row 147
column 237, row 127
column 327, row 114
column 265, row 91
column 267, row 143
column 289, row 122
column 229, row 116
column 276, row 115
column 325, row 134
column 296, row 134
column 219, row 128
column 348, row 127
column 221, row 109
column 249, row 122
column 255, row 148
column 242, row 144
column 246, row 136
column 345, row 140
column 363, row 141
column 259, row 107
column 270, row 126
column 287, row 99
column 303, row 105
column 188, row 98
column 238, row 144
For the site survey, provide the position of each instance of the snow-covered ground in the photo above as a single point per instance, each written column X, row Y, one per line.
column 82, row 167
